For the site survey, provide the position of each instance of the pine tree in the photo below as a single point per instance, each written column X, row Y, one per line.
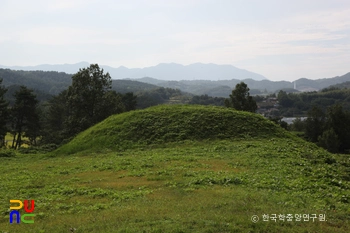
column 90, row 99
column 240, row 99
column 4, row 115
column 315, row 124
column 25, row 119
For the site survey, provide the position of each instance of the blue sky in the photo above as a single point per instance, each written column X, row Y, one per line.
column 282, row 40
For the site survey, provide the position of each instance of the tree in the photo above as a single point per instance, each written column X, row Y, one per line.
column 315, row 124
column 4, row 114
column 240, row 99
column 329, row 140
column 278, row 120
column 25, row 119
column 112, row 103
column 129, row 101
column 54, row 119
column 298, row 124
column 89, row 99
column 338, row 120
column 331, row 130
column 284, row 100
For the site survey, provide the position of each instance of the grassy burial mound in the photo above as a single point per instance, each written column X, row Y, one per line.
column 171, row 123
column 188, row 169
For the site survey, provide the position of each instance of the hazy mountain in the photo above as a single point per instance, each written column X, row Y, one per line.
column 163, row 71
column 318, row 84
column 150, row 80
column 53, row 82
column 222, row 88
column 341, row 85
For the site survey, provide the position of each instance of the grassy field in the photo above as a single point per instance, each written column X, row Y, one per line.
column 187, row 185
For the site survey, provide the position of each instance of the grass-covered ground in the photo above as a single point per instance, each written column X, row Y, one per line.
column 170, row 123
column 192, row 185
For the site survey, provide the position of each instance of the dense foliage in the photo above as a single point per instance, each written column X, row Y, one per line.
column 329, row 129
column 240, row 99
column 24, row 117
column 90, row 99
column 297, row 104
column 160, row 95
column 41, row 96
column 87, row 101
column 56, row 119
column 208, row 100
column 4, row 114
column 50, row 82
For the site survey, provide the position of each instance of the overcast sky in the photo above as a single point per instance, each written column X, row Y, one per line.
column 280, row 39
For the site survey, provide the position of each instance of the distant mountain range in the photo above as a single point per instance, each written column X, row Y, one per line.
column 163, row 71
column 53, row 82
column 223, row 88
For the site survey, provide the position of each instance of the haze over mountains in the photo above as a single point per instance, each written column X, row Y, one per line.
column 198, row 79
column 163, row 71
column 223, row 88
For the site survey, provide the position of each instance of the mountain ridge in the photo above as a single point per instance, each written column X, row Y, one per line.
column 54, row 82
column 223, row 88
column 165, row 71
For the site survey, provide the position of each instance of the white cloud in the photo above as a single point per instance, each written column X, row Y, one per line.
column 144, row 33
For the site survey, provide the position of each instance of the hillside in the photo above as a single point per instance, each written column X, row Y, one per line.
column 124, row 86
column 52, row 82
column 219, row 88
column 41, row 96
column 321, row 83
column 180, row 169
column 341, row 85
column 170, row 123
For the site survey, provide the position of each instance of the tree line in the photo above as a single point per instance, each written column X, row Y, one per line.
column 90, row 99
column 328, row 128
column 87, row 101
column 327, row 125
column 296, row 104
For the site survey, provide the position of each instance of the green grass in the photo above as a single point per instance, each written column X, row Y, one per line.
column 171, row 123
column 195, row 185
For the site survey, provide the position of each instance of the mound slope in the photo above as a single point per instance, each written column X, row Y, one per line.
column 171, row 123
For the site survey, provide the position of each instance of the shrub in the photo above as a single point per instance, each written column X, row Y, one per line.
column 7, row 153
column 329, row 140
